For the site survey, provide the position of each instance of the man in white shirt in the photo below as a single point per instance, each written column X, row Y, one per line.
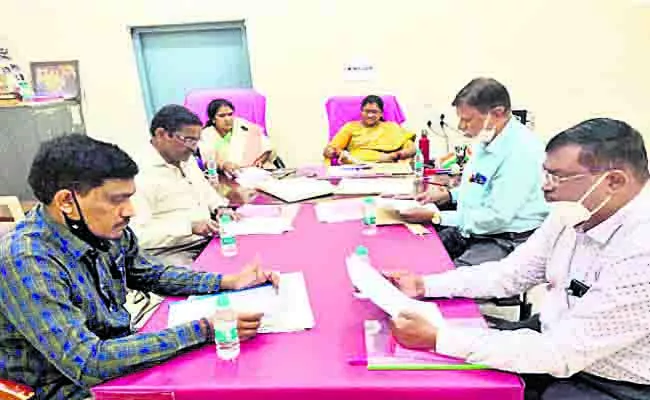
column 174, row 202
column 592, row 336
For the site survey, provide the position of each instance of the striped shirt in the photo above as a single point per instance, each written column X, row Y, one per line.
column 63, row 325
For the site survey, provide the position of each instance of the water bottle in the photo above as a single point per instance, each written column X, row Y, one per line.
column 418, row 164
column 423, row 145
column 418, row 168
column 225, row 329
column 213, row 174
column 369, row 216
column 226, row 237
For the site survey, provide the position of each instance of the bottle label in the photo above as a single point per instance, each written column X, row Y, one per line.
column 419, row 165
column 225, row 335
column 370, row 220
column 220, row 336
column 227, row 240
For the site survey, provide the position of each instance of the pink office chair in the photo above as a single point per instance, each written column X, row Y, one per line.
column 248, row 103
column 343, row 109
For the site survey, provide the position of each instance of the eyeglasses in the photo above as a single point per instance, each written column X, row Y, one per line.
column 188, row 140
column 550, row 179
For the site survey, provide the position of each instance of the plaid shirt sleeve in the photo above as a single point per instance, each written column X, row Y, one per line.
column 37, row 301
column 147, row 275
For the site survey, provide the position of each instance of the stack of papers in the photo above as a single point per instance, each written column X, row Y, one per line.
column 339, row 210
column 288, row 310
column 296, row 189
column 363, row 186
column 385, row 295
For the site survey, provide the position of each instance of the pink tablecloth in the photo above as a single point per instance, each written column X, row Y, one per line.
column 313, row 364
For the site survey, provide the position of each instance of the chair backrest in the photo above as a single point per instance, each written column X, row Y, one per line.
column 11, row 390
column 343, row 109
column 248, row 103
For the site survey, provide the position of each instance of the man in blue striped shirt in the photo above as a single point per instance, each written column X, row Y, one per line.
column 65, row 272
column 499, row 201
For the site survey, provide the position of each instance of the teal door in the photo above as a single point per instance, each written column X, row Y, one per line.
column 175, row 59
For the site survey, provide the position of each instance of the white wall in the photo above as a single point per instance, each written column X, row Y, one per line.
column 565, row 60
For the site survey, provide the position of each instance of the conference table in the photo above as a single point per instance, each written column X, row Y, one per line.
column 314, row 364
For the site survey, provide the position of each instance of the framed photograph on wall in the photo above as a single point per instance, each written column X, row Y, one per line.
column 56, row 78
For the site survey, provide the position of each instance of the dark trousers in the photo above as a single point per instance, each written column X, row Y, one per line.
column 581, row 386
column 477, row 249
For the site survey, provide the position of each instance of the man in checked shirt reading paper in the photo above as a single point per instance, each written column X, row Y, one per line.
column 65, row 272
column 591, row 339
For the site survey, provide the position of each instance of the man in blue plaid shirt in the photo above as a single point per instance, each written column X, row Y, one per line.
column 65, row 270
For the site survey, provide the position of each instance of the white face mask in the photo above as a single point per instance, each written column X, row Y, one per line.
column 572, row 213
column 486, row 135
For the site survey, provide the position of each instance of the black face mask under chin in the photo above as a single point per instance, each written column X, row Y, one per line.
column 80, row 229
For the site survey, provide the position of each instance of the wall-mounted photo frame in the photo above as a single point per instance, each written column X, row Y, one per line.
column 56, row 78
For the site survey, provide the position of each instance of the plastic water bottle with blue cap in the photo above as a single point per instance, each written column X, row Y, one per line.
column 369, row 216
column 225, row 329
column 227, row 237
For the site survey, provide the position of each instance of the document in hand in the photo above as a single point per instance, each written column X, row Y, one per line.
column 385, row 295
column 383, row 353
column 296, row 189
column 288, row 310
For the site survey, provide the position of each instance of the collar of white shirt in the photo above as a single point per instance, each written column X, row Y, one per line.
column 604, row 231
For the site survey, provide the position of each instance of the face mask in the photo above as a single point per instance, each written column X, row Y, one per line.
column 572, row 213
column 80, row 229
column 486, row 135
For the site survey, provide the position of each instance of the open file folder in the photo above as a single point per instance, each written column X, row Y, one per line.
column 288, row 310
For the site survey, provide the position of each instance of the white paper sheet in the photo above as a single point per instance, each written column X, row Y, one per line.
column 249, row 177
column 296, row 189
column 288, row 310
column 400, row 205
column 385, row 295
column 363, row 186
column 339, row 210
column 260, row 226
